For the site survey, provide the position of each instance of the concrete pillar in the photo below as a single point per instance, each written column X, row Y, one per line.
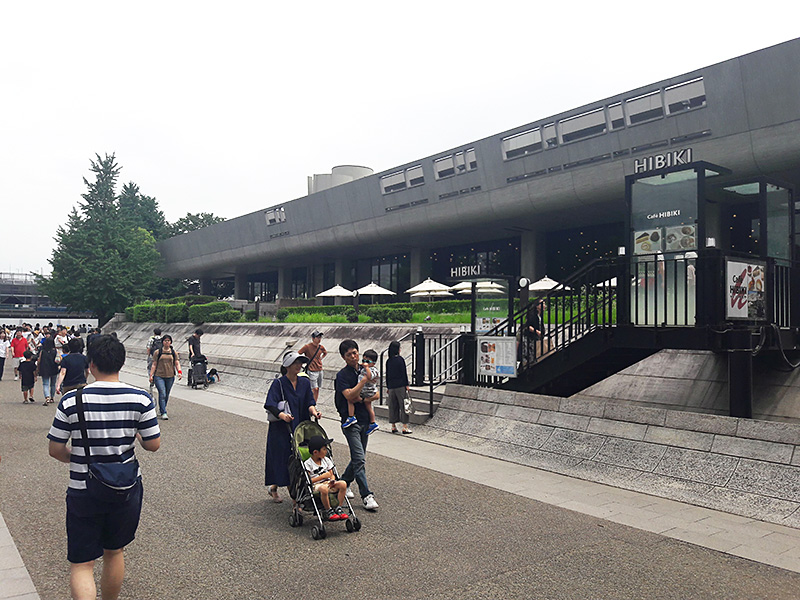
column 283, row 288
column 339, row 279
column 240, row 287
column 420, row 268
column 205, row 286
column 532, row 262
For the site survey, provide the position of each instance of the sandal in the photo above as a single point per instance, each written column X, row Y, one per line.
column 273, row 491
column 407, row 432
column 394, row 429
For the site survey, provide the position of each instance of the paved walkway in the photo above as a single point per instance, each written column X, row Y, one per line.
column 736, row 536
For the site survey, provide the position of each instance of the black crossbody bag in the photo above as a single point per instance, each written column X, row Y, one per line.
column 112, row 482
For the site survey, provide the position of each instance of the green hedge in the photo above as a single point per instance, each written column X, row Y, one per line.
column 176, row 313
column 224, row 316
column 439, row 306
column 129, row 314
column 200, row 313
column 250, row 315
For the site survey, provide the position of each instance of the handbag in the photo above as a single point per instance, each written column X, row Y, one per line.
column 111, row 482
column 408, row 405
column 283, row 406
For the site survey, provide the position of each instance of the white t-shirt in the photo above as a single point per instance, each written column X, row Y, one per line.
column 4, row 348
column 315, row 470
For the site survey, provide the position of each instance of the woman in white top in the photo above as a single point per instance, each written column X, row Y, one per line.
column 4, row 346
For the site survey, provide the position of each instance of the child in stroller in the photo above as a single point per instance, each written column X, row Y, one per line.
column 320, row 469
column 197, row 374
column 309, row 495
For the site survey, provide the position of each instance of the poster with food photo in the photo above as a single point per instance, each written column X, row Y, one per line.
column 497, row 356
column 746, row 287
column 648, row 242
column 682, row 237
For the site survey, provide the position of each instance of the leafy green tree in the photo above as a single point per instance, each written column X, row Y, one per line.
column 103, row 260
column 142, row 211
column 192, row 222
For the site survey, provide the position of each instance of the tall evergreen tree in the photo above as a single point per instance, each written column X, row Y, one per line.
column 193, row 221
column 142, row 211
column 103, row 259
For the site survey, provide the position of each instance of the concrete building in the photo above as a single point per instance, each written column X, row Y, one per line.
column 542, row 198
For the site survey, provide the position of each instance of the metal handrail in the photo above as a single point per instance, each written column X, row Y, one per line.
column 445, row 374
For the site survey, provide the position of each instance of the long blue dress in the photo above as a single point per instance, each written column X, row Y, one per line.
column 279, row 446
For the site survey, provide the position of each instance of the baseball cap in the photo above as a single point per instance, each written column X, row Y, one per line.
column 318, row 442
column 317, row 334
column 292, row 356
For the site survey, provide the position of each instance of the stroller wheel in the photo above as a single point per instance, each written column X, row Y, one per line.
column 299, row 519
column 318, row 532
column 292, row 520
column 349, row 526
column 356, row 524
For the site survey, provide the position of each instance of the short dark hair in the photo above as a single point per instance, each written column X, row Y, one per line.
column 199, row 332
column 75, row 345
column 394, row 349
column 107, row 353
column 157, row 330
column 346, row 346
column 371, row 355
column 28, row 354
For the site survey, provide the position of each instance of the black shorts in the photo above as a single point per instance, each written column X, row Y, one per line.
column 96, row 526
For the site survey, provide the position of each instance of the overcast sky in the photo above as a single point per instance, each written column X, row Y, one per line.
column 227, row 107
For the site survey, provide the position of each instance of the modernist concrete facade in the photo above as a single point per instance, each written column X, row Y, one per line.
column 510, row 199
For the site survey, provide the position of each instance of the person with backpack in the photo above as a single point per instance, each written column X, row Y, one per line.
column 153, row 346
column 166, row 364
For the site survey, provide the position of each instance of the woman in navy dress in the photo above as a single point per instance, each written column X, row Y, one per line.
column 301, row 406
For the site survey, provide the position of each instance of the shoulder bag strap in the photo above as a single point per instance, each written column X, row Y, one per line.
column 82, row 423
column 313, row 356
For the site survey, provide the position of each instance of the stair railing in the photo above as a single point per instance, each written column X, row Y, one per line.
column 450, row 365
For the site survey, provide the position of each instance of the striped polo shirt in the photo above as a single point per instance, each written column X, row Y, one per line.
column 114, row 412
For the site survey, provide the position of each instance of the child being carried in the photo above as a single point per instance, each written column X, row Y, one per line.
column 368, row 360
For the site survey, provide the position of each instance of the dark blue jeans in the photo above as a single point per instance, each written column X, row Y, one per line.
column 356, row 436
column 164, row 386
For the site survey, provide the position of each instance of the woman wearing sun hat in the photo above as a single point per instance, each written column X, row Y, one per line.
column 291, row 401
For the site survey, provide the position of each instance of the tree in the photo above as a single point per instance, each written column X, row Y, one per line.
column 192, row 222
column 103, row 259
column 142, row 211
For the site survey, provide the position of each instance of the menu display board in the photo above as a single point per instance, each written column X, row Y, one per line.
column 680, row 238
column 648, row 242
column 746, row 286
column 497, row 356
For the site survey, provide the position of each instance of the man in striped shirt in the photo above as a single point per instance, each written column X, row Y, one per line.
column 116, row 416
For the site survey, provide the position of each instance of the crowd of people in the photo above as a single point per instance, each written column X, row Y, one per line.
column 119, row 415
column 52, row 353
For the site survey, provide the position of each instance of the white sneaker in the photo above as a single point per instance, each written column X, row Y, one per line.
column 165, row 416
column 16, row 377
column 349, row 493
column 370, row 503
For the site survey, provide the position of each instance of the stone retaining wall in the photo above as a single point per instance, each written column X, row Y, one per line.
column 747, row 467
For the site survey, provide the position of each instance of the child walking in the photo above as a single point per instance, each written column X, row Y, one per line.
column 320, row 469
column 368, row 360
column 27, row 374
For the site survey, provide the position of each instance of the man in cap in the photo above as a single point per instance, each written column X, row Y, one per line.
column 314, row 351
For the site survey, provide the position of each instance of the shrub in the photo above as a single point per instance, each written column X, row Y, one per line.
column 224, row 316
column 377, row 314
column 129, row 314
column 199, row 313
column 399, row 315
column 176, row 313
column 351, row 315
column 143, row 313
column 250, row 315
column 191, row 300
column 282, row 314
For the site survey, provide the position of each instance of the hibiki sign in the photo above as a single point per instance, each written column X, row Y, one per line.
column 662, row 161
column 468, row 271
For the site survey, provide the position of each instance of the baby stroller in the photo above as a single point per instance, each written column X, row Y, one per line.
column 302, row 490
column 197, row 373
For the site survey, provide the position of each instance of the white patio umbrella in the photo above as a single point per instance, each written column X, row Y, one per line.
column 427, row 286
column 483, row 290
column 374, row 289
column 439, row 294
column 482, row 286
column 544, row 284
column 336, row 291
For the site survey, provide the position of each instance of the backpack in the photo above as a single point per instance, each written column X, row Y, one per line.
column 155, row 345
column 172, row 351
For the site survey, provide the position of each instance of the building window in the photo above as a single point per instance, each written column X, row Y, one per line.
column 298, row 287
column 644, row 108
column 521, row 144
column 582, row 126
column 414, row 176
column 685, row 96
column 275, row 215
column 394, row 182
column 390, row 272
column 455, row 164
column 550, row 138
column 615, row 116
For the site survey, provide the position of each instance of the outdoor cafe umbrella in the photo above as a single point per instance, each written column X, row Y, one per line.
column 374, row 289
column 336, row 291
column 429, row 286
column 481, row 286
column 608, row 283
column 439, row 294
column 544, row 284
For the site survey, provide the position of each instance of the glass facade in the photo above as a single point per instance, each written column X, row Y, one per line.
column 496, row 257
